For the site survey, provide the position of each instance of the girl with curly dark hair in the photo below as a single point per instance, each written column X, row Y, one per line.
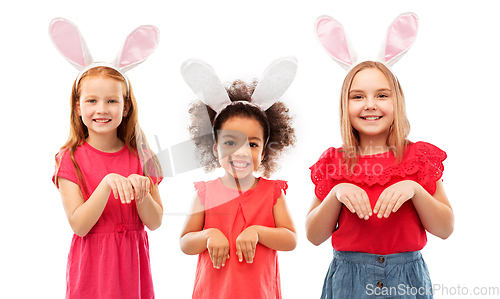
column 242, row 129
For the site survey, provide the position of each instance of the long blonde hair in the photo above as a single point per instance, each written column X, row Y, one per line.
column 128, row 131
column 398, row 131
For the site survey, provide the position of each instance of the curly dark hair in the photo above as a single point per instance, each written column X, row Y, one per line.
column 276, row 122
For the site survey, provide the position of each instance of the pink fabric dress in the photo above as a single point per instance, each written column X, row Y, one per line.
column 112, row 260
column 231, row 213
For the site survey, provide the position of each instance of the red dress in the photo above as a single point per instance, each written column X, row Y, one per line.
column 231, row 213
column 112, row 260
column 401, row 231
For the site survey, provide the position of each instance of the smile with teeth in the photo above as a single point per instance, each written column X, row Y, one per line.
column 102, row 120
column 371, row 117
column 239, row 164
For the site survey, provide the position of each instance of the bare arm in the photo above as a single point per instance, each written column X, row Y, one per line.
column 323, row 216
column 281, row 237
column 195, row 240
column 435, row 210
column 150, row 209
column 322, row 219
column 83, row 215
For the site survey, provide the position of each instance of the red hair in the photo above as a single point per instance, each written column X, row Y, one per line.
column 128, row 131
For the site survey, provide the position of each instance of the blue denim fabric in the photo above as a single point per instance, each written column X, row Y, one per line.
column 357, row 275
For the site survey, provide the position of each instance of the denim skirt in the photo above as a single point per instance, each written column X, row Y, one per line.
column 365, row 275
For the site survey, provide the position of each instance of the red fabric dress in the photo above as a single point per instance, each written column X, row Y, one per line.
column 112, row 260
column 231, row 213
column 401, row 231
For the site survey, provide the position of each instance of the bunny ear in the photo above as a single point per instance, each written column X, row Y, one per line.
column 400, row 37
column 275, row 80
column 332, row 37
column 202, row 79
column 68, row 40
column 138, row 46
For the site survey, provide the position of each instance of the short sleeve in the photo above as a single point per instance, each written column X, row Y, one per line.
column 329, row 161
column 149, row 167
column 201, row 188
column 64, row 168
column 430, row 159
column 279, row 187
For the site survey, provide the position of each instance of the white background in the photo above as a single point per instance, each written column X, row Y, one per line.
column 450, row 79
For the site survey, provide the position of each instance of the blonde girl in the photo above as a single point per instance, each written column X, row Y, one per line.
column 378, row 195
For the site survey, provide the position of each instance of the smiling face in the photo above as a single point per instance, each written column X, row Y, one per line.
column 370, row 105
column 240, row 146
column 101, row 105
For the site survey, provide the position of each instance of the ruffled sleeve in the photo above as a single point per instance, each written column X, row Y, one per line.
column 421, row 158
column 430, row 161
column 201, row 188
column 279, row 186
column 322, row 171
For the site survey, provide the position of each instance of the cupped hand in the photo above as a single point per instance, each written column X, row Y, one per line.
column 354, row 198
column 246, row 244
column 393, row 197
column 218, row 247
column 121, row 187
column 141, row 185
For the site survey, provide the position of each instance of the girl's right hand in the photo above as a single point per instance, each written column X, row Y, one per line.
column 218, row 247
column 354, row 198
column 121, row 187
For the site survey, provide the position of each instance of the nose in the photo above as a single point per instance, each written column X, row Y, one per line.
column 102, row 107
column 370, row 104
column 243, row 150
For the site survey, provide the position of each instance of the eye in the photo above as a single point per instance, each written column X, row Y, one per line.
column 229, row 143
column 356, row 97
column 253, row 144
column 383, row 96
column 92, row 101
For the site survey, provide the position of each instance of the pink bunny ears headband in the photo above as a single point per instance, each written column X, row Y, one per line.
column 398, row 40
column 202, row 79
column 68, row 40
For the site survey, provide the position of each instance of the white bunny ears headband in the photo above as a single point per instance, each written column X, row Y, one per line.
column 202, row 79
column 68, row 40
column 274, row 82
column 399, row 38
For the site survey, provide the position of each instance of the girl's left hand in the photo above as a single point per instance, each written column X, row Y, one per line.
column 246, row 243
column 141, row 186
column 393, row 197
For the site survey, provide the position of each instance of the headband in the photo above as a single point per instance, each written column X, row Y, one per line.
column 276, row 79
column 400, row 36
column 274, row 82
column 68, row 40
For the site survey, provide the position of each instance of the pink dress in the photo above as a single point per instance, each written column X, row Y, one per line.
column 231, row 213
column 112, row 260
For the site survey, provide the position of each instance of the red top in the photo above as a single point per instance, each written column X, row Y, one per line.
column 112, row 260
column 231, row 213
column 401, row 231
